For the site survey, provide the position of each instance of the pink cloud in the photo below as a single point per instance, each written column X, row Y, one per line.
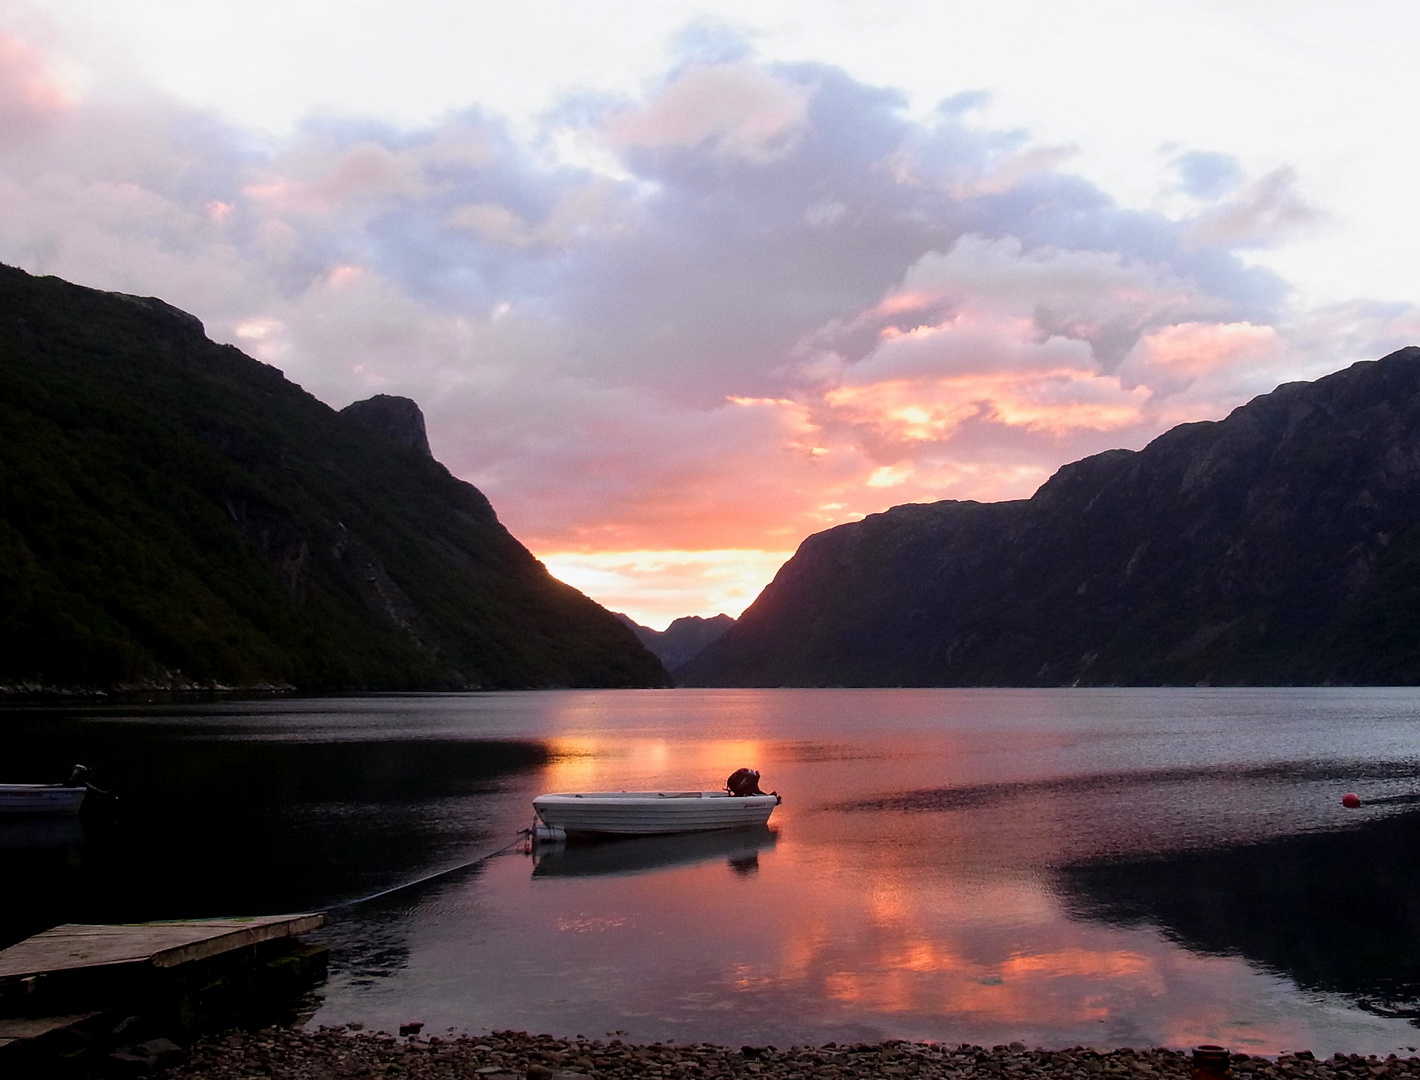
column 736, row 110
column 32, row 94
column 1177, row 356
column 972, row 341
column 320, row 176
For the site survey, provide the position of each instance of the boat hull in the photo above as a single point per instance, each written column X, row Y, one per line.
column 39, row 799
column 648, row 813
column 624, row 856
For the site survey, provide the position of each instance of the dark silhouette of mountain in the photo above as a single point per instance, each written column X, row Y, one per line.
column 1280, row 545
column 175, row 513
column 396, row 418
column 683, row 639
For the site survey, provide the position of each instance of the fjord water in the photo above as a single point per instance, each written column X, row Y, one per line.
column 1102, row 867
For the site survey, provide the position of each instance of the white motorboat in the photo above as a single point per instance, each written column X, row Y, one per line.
column 47, row 799
column 645, row 813
column 40, row 799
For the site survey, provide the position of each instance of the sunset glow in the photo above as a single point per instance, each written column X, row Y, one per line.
column 676, row 305
column 661, row 586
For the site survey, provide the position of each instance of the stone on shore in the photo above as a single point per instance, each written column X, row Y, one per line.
column 284, row 1054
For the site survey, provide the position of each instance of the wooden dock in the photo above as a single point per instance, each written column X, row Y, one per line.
column 66, row 983
column 76, row 946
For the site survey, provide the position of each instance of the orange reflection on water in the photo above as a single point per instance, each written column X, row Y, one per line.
column 980, row 957
column 933, row 977
column 888, row 943
column 1109, row 964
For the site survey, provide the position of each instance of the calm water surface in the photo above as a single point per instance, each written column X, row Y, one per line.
column 1107, row 867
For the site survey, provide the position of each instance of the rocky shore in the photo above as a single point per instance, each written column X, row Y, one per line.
column 285, row 1054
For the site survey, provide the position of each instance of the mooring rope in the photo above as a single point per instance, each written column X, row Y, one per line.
column 435, row 875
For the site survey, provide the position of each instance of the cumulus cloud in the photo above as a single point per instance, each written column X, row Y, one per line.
column 751, row 302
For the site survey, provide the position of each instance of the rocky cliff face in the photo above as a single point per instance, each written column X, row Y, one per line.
column 397, row 419
column 174, row 513
column 1280, row 545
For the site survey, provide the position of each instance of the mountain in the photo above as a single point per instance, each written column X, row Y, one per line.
column 683, row 639
column 175, row 513
column 1280, row 545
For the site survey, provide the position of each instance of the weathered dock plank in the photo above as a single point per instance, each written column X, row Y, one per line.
column 74, row 946
column 18, row 1028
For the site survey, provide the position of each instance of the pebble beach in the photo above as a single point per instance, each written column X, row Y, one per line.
column 292, row 1054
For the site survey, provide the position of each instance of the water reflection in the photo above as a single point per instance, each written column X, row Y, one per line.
column 739, row 848
column 1335, row 912
column 815, row 946
column 60, row 834
column 912, row 886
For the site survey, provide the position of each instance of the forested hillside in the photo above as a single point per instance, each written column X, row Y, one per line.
column 175, row 513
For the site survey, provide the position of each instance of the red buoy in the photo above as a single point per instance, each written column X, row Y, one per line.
column 1351, row 800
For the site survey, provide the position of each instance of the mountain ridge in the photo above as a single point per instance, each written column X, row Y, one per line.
column 1278, row 545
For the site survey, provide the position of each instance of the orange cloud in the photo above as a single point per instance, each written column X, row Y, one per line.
column 929, row 410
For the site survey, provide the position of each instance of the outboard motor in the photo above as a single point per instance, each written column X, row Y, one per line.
column 745, row 782
column 96, row 797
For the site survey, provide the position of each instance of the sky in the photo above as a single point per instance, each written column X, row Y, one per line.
column 678, row 284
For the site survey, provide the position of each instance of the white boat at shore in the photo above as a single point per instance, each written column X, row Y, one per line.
column 35, row 799
column 646, row 813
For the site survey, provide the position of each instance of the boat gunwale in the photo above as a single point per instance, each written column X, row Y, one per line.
column 650, row 798
column 29, row 788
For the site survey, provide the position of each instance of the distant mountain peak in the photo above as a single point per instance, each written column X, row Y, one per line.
column 682, row 640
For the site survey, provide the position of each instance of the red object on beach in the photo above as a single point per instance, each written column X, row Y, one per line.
column 1351, row 800
column 1211, row 1062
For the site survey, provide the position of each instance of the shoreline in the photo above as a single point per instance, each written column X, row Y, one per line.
column 296, row 1054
